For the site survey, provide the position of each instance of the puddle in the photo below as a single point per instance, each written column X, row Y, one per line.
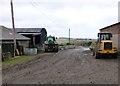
column 85, row 49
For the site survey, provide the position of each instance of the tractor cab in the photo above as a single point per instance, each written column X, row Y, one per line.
column 51, row 39
column 104, row 36
column 51, row 44
column 104, row 46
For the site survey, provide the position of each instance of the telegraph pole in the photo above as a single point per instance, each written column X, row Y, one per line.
column 13, row 25
column 69, row 35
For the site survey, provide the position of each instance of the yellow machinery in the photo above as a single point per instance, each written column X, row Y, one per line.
column 104, row 46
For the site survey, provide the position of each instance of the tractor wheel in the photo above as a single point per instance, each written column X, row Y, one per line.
column 56, row 50
column 93, row 53
column 96, row 55
column 115, row 55
column 46, row 50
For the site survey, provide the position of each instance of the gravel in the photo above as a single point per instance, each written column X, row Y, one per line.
column 71, row 66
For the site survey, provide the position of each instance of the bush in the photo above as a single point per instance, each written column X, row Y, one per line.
column 69, row 44
column 61, row 44
column 6, row 56
column 39, row 48
column 93, row 44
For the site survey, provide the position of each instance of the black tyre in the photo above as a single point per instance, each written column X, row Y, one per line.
column 93, row 53
column 46, row 50
column 115, row 55
column 56, row 49
column 96, row 55
column 3, row 59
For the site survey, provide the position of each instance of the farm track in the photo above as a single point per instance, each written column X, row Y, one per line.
column 72, row 66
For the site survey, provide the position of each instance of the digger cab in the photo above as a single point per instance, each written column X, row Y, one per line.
column 105, row 46
column 104, row 36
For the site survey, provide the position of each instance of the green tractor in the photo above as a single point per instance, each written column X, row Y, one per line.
column 51, row 44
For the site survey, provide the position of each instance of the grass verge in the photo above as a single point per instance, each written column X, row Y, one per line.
column 16, row 60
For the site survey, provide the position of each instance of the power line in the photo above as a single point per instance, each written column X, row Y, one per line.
column 50, row 18
column 34, row 5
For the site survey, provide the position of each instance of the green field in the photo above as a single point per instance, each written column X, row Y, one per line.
column 62, row 41
column 75, row 42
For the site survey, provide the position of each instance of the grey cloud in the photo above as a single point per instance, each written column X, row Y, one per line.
column 43, row 15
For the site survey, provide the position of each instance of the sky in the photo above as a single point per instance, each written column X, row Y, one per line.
column 84, row 18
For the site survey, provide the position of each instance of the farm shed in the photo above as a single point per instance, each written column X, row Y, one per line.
column 115, row 30
column 36, row 35
column 7, row 42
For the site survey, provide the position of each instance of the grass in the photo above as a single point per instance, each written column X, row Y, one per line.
column 14, row 61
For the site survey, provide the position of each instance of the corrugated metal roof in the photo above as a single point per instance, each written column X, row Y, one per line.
column 30, row 33
column 7, row 34
column 21, row 30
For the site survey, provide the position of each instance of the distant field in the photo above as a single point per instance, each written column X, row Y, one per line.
column 75, row 42
column 62, row 41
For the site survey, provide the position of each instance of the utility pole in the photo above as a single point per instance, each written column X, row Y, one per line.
column 13, row 25
column 69, row 35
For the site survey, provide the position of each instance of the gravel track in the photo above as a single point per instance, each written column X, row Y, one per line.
column 72, row 66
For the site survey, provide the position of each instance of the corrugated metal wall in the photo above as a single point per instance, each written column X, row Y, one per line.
column 8, row 47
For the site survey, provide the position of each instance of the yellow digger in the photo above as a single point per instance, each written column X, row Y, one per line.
column 104, row 46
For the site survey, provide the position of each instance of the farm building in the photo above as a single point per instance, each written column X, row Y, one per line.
column 7, row 41
column 36, row 35
column 115, row 30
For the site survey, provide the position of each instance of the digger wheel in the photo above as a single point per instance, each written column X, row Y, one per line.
column 96, row 55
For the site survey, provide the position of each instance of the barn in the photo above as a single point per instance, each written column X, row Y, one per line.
column 115, row 30
column 7, row 41
column 36, row 35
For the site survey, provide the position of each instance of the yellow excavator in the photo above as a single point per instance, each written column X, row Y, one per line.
column 104, row 46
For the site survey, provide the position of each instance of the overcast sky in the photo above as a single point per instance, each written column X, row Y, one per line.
column 83, row 17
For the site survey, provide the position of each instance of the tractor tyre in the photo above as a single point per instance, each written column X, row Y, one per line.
column 96, row 55
column 93, row 52
column 46, row 50
column 56, row 50
column 115, row 55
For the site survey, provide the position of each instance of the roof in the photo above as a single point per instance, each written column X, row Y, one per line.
column 25, row 30
column 30, row 33
column 110, row 26
column 105, row 32
column 7, row 34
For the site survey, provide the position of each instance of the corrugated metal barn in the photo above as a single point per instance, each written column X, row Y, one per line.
column 115, row 30
column 37, row 35
column 7, row 43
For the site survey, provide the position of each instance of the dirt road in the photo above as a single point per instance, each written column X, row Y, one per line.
column 73, row 66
